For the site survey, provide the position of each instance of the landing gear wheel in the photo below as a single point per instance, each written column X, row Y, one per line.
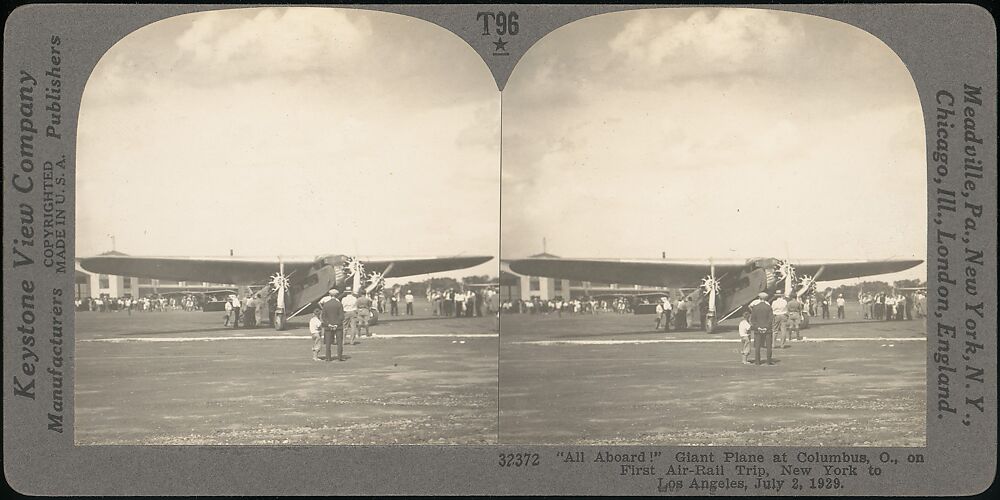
column 710, row 325
column 279, row 321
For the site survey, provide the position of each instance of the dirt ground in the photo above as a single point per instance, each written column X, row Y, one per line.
column 180, row 378
column 610, row 379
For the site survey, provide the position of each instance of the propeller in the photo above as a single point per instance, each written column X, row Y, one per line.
column 807, row 285
column 377, row 281
column 280, row 282
column 355, row 268
column 787, row 272
column 711, row 286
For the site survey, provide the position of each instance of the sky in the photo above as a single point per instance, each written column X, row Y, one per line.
column 283, row 131
column 724, row 133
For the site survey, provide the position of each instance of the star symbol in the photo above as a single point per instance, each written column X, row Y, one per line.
column 500, row 45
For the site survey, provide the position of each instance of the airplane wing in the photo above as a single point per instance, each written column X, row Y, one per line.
column 400, row 267
column 244, row 271
column 685, row 274
column 833, row 271
column 633, row 272
column 208, row 269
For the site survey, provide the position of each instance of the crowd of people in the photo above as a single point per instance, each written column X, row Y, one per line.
column 557, row 306
column 106, row 303
column 766, row 323
column 678, row 314
column 252, row 311
column 469, row 303
column 686, row 312
column 338, row 314
column 893, row 306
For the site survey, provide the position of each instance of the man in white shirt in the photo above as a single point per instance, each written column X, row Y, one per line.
column 779, row 322
column 316, row 330
column 744, row 330
column 236, row 311
column 840, row 306
column 667, row 311
column 409, row 303
column 350, row 303
column 229, row 311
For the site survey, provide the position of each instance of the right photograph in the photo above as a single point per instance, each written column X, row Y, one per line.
column 713, row 232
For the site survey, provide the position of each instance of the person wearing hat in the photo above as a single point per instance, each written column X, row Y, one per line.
column 333, row 320
column 761, row 316
column 840, row 306
column 409, row 302
column 795, row 311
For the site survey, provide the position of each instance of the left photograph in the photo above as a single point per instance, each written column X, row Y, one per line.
column 286, row 224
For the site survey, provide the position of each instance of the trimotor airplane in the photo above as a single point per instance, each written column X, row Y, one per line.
column 728, row 286
column 296, row 283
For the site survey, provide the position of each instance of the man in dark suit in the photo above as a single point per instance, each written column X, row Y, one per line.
column 333, row 320
column 761, row 316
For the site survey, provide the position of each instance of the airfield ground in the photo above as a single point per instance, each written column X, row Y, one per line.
column 177, row 378
column 609, row 379
column 180, row 378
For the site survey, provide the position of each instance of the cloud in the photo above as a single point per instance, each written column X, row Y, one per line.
column 278, row 40
column 691, row 129
column 277, row 131
column 651, row 39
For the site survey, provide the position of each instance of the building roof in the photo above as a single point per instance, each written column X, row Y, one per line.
column 81, row 277
column 509, row 279
column 543, row 255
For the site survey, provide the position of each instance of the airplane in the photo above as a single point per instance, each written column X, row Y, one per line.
column 307, row 279
column 728, row 286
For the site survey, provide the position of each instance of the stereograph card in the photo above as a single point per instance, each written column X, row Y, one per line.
column 500, row 249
